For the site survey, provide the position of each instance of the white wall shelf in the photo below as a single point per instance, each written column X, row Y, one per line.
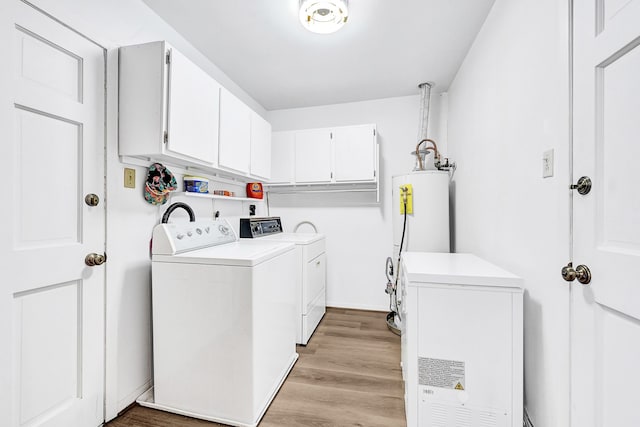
column 215, row 196
column 355, row 187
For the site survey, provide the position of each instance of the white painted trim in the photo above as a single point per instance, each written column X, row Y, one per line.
column 112, row 302
column 333, row 304
column 131, row 397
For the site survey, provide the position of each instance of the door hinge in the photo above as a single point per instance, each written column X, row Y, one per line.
column 168, row 57
column 331, row 135
column 374, row 132
column 374, row 173
column 166, row 137
column 331, row 175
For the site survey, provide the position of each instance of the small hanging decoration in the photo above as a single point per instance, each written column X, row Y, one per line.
column 160, row 182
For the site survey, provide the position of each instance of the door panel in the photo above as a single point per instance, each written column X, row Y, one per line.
column 354, row 153
column 617, row 246
column 194, row 102
column 615, row 358
column 260, row 147
column 605, row 325
column 36, row 51
column 52, row 101
column 235, row 133
column 282, row 157
column 42, row 141
column 313, row 156
column 49, row 352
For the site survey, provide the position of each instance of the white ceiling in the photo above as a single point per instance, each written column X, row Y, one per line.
column 386, row 49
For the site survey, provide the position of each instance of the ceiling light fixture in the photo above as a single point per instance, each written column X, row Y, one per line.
column 323, row 16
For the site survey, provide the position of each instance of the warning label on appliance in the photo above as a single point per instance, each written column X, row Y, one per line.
column 441, row 373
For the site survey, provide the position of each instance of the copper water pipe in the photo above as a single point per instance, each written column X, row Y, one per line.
column 434, row 149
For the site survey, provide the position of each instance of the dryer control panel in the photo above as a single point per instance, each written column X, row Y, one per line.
column 258, row 227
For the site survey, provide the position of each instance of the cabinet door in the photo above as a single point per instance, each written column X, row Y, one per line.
column 141, row 99
column 313, row 156
column 235, row 133
column 354, row 150
column 282, row 157
column 193, row 102
column 260, row 147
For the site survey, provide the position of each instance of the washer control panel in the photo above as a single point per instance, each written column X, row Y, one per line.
column 173, row 238
column 258, row 227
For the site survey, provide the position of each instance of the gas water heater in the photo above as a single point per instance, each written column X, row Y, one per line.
column 427, row 222
column 420, row 208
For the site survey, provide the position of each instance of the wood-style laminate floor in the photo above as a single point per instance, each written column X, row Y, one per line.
column 348, row 375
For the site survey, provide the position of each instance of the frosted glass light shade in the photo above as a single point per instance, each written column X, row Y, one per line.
column 323, row 16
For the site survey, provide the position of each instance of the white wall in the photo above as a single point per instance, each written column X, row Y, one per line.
column 359, row 232
column 508, row 104
column 115, row 23
column 130, row 220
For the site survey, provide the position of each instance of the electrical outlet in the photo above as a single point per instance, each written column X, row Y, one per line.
column 547, row 164
column 129, row 178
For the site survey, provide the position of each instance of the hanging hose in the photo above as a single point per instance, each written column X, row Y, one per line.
column 173, row 207
column 392, row 288
column 404, row 229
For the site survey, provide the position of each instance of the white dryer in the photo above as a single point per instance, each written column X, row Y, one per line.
column 310, row 271
column 223, row 321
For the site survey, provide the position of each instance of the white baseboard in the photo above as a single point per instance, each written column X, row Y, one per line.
column 357, row 306
column 131, row 397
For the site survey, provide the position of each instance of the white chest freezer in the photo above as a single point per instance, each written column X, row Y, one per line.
column 462, row 342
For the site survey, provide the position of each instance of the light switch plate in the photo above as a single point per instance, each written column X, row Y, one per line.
column 547, row 164
column 129, row 178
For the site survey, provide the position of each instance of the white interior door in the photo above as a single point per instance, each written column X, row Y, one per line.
column 52, row 118
column 605, row 325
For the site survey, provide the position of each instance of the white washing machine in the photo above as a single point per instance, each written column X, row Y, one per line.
column 223, row 322
column 310, row 272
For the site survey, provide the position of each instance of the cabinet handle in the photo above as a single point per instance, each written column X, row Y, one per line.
column 317, row 262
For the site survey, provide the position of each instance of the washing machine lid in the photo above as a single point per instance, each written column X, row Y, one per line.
column 455, row 269
column 241, row 253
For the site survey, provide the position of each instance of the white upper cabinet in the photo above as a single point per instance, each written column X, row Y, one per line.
column 169, row 107
column 194, row 99
column 313, row 156
column 260, row 147
column 282, row 157
column 338, row 155
column 235, row 134
column 354, row 153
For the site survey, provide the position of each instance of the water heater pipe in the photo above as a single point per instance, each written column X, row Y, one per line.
column 425, row 104
column 434, row 148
